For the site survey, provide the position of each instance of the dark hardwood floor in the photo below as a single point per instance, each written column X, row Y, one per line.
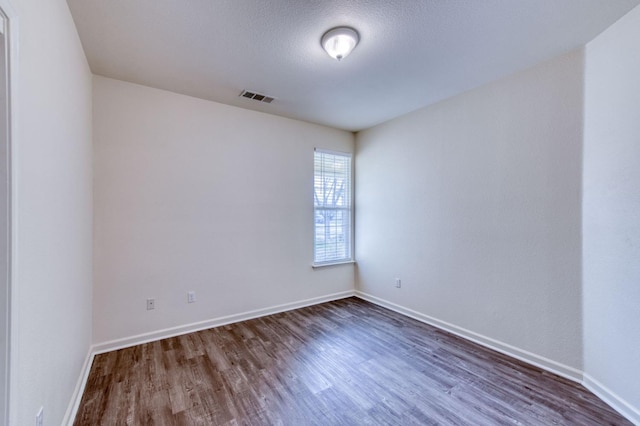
column 347, row 362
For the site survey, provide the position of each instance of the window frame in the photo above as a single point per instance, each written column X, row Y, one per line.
column 349, row 209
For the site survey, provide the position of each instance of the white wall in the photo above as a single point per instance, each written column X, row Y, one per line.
column 475, row 204
column 611, row 211
column 5, row 227
column 195, row 195
column 51, row 306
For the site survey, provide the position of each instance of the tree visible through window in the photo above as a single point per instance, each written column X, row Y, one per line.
column 332, row 207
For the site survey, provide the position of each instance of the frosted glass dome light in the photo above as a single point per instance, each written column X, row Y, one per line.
column 340, row 41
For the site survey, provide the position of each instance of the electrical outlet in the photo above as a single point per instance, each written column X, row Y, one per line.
column 40, row 417
column 191, row 296
column 398, row 283
column 151, row 304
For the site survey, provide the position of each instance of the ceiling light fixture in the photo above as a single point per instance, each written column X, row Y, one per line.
column 340, row 41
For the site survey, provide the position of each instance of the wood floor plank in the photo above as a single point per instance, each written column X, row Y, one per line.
column 346, row 362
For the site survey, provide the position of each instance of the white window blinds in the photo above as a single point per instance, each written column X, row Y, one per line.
column 332, row 207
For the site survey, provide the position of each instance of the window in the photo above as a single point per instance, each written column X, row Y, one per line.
column 332, row 207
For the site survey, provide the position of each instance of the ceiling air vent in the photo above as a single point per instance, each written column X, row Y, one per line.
column 257, row 96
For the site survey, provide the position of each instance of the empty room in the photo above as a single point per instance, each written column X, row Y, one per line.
column 230, row 212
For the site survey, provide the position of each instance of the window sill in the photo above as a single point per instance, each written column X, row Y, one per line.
column 342, row 262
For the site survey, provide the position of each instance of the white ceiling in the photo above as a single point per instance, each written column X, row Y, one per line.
column 412, row 53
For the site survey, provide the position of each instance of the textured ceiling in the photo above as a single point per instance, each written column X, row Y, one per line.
column 412, row 53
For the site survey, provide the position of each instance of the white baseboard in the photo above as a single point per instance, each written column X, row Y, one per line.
column 611, row 398
column 70, row 415
column 560, row 369
column 215, row 322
